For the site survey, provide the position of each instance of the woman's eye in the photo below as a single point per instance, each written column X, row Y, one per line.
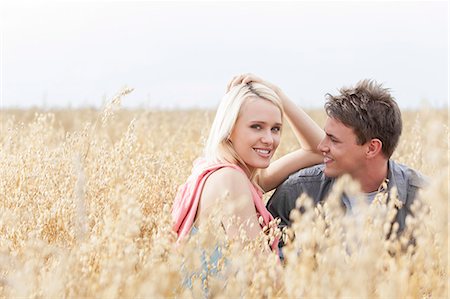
column 276, row 129
column 258, row 127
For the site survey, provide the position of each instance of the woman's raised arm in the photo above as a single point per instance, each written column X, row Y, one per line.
column 308, row 133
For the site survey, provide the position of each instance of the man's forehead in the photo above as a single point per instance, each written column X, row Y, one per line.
column 335, row 127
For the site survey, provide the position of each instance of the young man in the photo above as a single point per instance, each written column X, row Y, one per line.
column 362, row 131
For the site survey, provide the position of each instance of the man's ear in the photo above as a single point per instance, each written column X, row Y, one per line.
column 374, row 147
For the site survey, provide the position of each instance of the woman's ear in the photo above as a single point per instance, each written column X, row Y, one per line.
column 374, row 147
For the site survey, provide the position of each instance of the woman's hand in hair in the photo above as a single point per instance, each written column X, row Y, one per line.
column 247, row 78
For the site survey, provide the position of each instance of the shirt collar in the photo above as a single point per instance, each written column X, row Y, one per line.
column 396, row 179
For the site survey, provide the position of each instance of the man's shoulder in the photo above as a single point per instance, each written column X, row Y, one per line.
column 308, row 180
column 310, row 174
column 411, row 176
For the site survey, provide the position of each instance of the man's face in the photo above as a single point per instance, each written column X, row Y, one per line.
column 341, row 152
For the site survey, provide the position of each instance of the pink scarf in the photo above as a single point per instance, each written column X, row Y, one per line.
column 186, row 201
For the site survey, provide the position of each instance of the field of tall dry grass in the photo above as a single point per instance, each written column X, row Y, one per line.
column 85, row 199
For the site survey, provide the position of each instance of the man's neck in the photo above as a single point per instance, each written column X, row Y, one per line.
column 373, row 176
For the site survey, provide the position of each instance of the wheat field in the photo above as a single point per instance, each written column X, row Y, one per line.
column 85, row 198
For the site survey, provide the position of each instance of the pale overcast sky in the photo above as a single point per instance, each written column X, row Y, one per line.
column 181, row 54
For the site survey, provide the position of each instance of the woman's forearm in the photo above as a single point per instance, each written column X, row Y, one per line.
column 307, row 131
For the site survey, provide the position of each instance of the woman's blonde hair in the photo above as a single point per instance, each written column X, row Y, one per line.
column 218, row 146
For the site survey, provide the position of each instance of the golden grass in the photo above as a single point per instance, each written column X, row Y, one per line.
column 85, row 201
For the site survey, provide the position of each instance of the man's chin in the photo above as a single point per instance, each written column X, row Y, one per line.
column 330, row 173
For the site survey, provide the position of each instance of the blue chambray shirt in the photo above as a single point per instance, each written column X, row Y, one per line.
column 316, row 185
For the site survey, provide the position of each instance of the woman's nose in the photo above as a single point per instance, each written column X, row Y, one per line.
column 267, row 138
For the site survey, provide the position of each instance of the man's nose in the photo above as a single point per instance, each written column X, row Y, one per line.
column 322, row 146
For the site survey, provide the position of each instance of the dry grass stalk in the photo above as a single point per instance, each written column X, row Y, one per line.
column 85, row 213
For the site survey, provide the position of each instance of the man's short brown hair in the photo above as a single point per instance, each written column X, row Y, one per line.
column 370, row 110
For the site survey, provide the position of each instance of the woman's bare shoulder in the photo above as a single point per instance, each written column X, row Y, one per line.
column 226, row 181
column 228, row 176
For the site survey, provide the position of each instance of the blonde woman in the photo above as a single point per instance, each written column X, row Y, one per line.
column 244, row 137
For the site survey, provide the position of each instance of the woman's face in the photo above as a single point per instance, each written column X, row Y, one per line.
column 256, row 134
